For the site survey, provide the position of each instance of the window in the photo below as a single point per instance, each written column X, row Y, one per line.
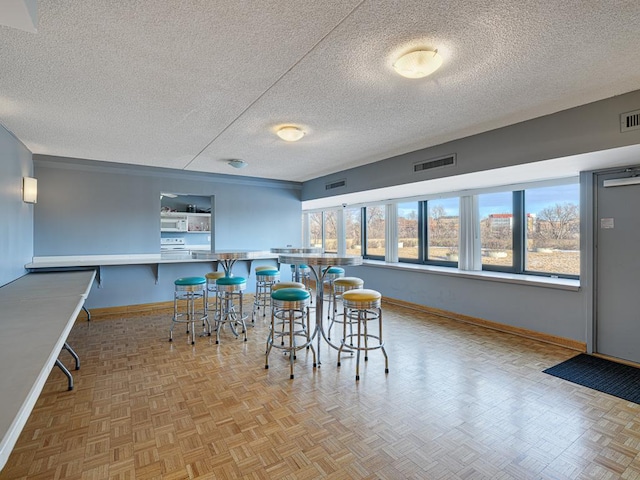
column 353, row 233
column 375, row 232
column 331, row 231
column 553, row 230
column 496, row 230
column 315, row 229
column 533, row 231
column 443, row 230
column 408, row 228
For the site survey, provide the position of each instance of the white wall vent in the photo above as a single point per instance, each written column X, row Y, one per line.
column 336, row 184
column 630, row 121
column 447, row 161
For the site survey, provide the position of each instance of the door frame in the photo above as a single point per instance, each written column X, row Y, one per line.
column 589, row 182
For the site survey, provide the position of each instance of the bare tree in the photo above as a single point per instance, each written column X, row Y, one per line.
column 436, row 215
column 559, row 222
column 331, row 231
column 315, row 228
column 375, row 218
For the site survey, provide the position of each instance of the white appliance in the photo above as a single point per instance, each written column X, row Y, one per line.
column 167, row 244
column 173, row 224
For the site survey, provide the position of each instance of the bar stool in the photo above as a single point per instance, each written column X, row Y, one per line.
column 330, row 274
column 265, row 279
column 189, row 289
column 280, row 285
column 304, row 276
column 291, row 312
column 227, row 289
column 363, row 306
column 341, row 285
column 304, row 273
column 212, row 291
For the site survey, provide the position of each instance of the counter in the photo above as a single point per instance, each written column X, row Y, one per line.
column 95, row 262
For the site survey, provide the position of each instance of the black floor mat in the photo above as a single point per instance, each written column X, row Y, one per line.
column 616, row 379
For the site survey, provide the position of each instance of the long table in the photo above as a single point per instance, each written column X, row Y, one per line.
column 37, row 312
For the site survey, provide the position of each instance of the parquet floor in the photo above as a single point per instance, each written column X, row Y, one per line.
column 460, row 402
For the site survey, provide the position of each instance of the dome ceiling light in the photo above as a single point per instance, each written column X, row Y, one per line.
column 418, row 64
column 236, row 163
column 290, row 133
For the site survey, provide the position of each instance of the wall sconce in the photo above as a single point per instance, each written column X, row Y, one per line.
column 29, row 190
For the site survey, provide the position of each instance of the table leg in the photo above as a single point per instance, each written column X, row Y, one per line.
column 319, row 307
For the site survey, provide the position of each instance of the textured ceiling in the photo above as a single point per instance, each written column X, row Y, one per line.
column 191, row 84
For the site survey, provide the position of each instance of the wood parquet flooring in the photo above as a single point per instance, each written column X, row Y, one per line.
column 460, row 402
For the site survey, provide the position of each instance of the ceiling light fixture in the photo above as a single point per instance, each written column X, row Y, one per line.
column 418, row 64
column 236, row 163
column 290, row 133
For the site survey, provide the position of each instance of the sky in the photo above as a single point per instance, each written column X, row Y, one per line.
column 535, row 200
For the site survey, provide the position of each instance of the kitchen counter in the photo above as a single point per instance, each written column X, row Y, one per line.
column 82, row 262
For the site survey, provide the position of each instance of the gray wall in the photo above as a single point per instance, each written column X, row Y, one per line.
column 583, row 129
column 547, row 310
column 16, row 217
column 97, row 208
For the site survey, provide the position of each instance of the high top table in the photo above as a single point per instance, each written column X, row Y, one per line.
column 316, row 263
column 227, row 258
column 297, row 251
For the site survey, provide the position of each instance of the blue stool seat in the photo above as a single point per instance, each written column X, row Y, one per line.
column 290, row 294
column 333, row 271
column 197, row 282
column 226, row 281
column 261, row 273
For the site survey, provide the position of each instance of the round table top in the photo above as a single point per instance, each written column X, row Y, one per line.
column 326, row 259
column 297, row 250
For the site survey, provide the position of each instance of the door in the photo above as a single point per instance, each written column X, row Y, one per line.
column 617, row 269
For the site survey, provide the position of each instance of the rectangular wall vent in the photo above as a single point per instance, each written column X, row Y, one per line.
column 336, row 184
column 630, row 121
column 448, row 161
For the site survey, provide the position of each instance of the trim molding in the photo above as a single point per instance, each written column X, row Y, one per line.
column 110, row 312
column 501, row 327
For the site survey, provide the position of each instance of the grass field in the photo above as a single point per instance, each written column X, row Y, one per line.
column 566, row 262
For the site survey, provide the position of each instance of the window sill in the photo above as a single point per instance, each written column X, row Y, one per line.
column 532, row 280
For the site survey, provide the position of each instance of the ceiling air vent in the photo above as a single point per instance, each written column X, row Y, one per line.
column 336, row 184
column 448, row 161
column 630, row 121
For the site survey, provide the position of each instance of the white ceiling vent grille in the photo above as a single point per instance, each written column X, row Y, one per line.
column 447, row 161
column 336, row 184
column 630, row 121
